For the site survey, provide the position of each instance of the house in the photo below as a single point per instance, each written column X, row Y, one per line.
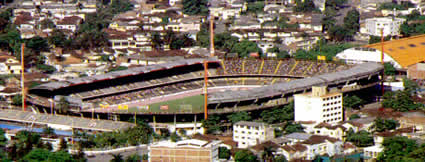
column 69, row 23
column 245, row 22
column 365, row 123
column 310, row 147
column 9, row 65
column 185, row 150
column 325, row 129
column 251, row 133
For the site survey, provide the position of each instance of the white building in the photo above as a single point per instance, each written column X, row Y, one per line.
column 186, row 150
column 251, row 133
column 391, row 26
column 319, row 106
column 359, row 55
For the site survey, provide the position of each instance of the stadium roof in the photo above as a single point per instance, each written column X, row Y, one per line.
column 122, row 73
column 406, row 51
column 362, row 70
column 73, row 122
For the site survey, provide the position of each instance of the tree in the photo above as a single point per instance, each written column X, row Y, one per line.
column 352, row 102
column 328, row 19
column 3, row 139
column 360, row 139
column 47, row 24
column 400, row 100
column 246, row 47
column 382, row 125
column 239, row 116
column 49, row 131
column 399, row 148
column 293, row 127
column 354, row 116
column 63, row 106
column 156, row 40
column 280, row 158
column 339, row 33
column 352, row 21
column 304, row 6
column 46, row 68
column 134, row 158
column 225, row 41
column 245, row 156
column 255, row 7
column 117, row 158
column 57, row 38
column 389, row 69
column 411, row 87
column 212, row 124
column 278, row 114
column 60, row 156
column 223, row 153
column 375, row 39
column 37, row 155
column 118, row 68
column 17, row 100
column 195, row 7
column 175, row 137
column 267, row 154
column 37, row 44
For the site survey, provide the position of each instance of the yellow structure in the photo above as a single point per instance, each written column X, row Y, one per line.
column 406, row 51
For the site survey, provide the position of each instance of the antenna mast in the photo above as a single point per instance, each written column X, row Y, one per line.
column 212, row 49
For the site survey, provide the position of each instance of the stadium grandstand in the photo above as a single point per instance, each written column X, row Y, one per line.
column 233, row 85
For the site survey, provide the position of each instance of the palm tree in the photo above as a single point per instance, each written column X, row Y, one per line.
column 117, row 158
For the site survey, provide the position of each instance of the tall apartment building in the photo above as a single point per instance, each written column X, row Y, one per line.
column 319, row 106
column 390, row 26
column 192, row 150
column 251, row 133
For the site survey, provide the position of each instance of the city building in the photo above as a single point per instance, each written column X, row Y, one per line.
column 186, row 150
column 251, row 133
column 390, row 26
column 319, row 106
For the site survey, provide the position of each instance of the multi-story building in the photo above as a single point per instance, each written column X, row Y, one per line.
column 251, row 133
column 390, row 26
column 319, row 106
column 186, row 150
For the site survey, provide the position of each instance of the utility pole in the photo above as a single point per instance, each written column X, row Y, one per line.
column 24, row 106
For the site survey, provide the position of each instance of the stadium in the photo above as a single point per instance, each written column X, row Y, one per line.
column 177, row 88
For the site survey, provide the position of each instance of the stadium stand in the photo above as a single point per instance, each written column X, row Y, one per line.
column 136, row 84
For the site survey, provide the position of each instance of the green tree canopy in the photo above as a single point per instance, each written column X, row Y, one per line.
column 37, row 155
column 382, row 125
column 195, row 7
column 352, row 102
column 212, row 124
column 246, row 47
column 245, row 156
column 239, row 116
column 37, row 44
column 278, row 114
column 360, row 139
column 293, row 127
column 399, row 148
column 352, row 21
column 224, row 153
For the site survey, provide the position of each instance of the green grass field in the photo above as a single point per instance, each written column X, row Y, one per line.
column 192, row 104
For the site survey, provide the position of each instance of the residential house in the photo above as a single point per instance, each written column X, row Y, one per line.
column 69, row 23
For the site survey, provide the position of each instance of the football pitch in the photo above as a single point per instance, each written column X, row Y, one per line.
column 192, row 104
